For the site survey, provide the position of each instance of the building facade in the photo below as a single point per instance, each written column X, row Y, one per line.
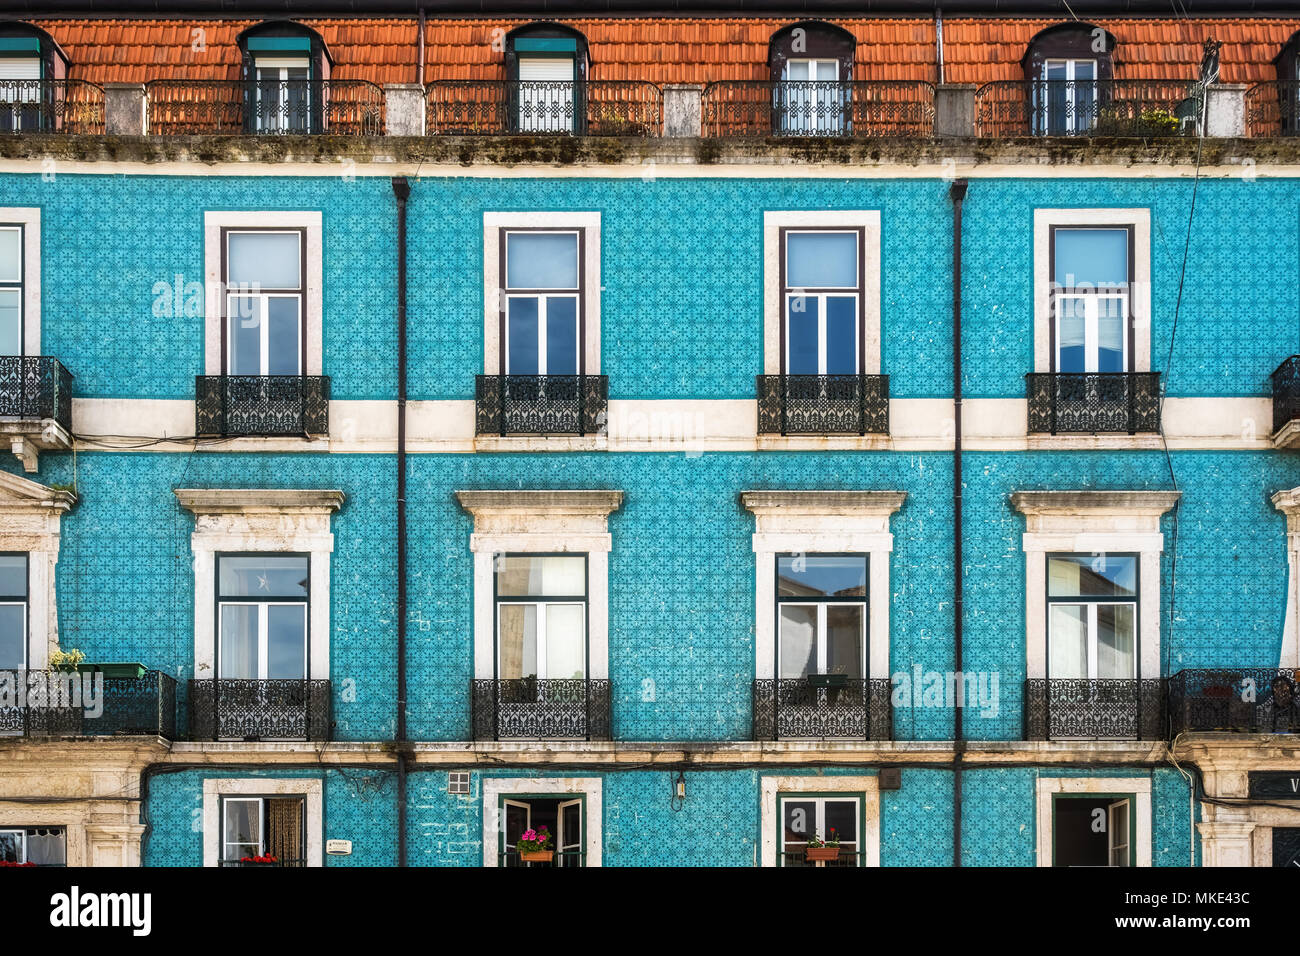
column 690, row 435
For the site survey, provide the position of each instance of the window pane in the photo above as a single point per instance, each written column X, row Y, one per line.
column 542, row 260
column 821, row 260
column 1091, row 257
column 1092, row 575
column 542, row 576
column 801, row 336
column 1071, row 353
column 264, row 576
column 11, row 255
column 561, row 335
column 797, row 69
column 517, row 640
column 798, row 641
column 242, row 825
column 11, row 322
column 842, row 818
column 1110, row 334
column 13, row 636
column 815, row 575
column 799, row 818
column 521, row 336
column 841, row 335
column 283, row 347
column 237, row 655
column 844, row 640
column 46, row 846
column 265, row 260
column 565, row 653
column 11, row 843
column 244, row 318
column 1068, row 642
column 1116, row 641
column 13, row 575
column 286, row 641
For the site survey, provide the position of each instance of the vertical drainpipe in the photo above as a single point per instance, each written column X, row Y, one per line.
column 419, row 48
column 957, row 192
column 938, row 40
column 401, row 191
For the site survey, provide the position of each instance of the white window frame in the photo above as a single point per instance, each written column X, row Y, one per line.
column 260, row 521
column 1075, row 122
column 496, row 787
column 542, row 295
column 1139, row 292
column 263, row 631
column 1091, row 637
column 865, row 788
column 1091, row 325
column 234, row 293
column 541, row 606
column 278, row 120
column 822, row 606
column 1139, row 788
column 214, row 346
column 821, row 522
column 28, row 219
column 30, row 516
column 819, row 823
column 311, row 790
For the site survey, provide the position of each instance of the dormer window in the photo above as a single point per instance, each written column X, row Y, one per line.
column 1287, row 63
column 286, row 68
column 1068, row 69
column 811, row 67
column 32, row 67
column 546, row 68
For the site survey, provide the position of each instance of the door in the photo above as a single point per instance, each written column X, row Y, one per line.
column 1065, row 99
column 546, row 101
column 283, row 95
column 570, row 837
column 1117, row 833
column 517, row 817
column 20, row 94
column 811, row 100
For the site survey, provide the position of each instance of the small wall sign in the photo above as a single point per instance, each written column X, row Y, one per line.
column 1277, row 784
column 338, row 847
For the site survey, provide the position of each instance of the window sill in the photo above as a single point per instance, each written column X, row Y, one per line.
column 1099, row 442
column 544, row 443
column 824, row 442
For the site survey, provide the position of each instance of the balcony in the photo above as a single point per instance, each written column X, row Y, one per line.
column 823, row 404
column 1240, row 700
column 847, row 859
column 35, row 406
column 542, row 108
column 823, row 707
column 56, row 703
column 1093, row 403
column 1273, row 109
column 817, row 108
column 234, row 406
column 51, row 106
column 1103, row 709
column 238, row 709
column 532, row 709
column 280, row 107
column 541, row 404
column 1286, row 403
column 1007, row 109
column 250, row 864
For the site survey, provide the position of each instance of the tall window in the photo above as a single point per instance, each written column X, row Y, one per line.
column 1065, row 97
column 804, row 816
column 34, row 846
column 13, row 611
column 1092, row 608
column 11, row 290
column 810, row 99
column 262, row 603
column 822, row 299
column 541, row 608
column 282, row 94
column 562, row 818
column 286, row 68
column 543, row 292
column 547, row 64
column 822, row 615
column 265, row 301
column 1093, row 830
column 253, row 827
column 1091, row 281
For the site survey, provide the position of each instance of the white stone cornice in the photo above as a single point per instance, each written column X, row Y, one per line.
column 23, row 494
column 1094, row 503
column 235, row 501
column 823, row 502
column 540, row 502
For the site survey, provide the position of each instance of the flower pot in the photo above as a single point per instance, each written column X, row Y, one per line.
column 815, row 854
column 536, row 856
column 132, row 669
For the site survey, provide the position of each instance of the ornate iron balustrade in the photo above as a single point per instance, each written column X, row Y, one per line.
column 562, row 858
column 237, row 709
column 48, row 703
column 847, row 858
column 235, row 405
column 280, row 107
column 822, row 707
column 51, row 106
column 823, row 404
column 544, row 107
column 35, row 387
column 1245, row 700
column 573, row 708
column 1056, row 709
column 1093, row 402
column 1286, row 393
column 1273, row 109
column 874, row 108
column 1139, row 108
column 276, row 865
column 541, row 404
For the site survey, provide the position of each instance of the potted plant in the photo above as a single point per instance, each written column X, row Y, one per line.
column 822, row 851
column 535, row 845
column 266, row 859
column 12, row 863
column 69, row 661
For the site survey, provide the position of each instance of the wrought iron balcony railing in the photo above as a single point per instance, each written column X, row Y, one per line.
column 549, row 107
column 276, row 865
column 1111, row 402
column 1273, row 109
column 279, row 107
column 1245, row 700
column 1286, row 393
column 541, row 404
column 237, row 709
column 846, row 858
column 262, row 405
column 876, row 108
column 830, row 706
column 1057, row 709
column 35, row 387
column 571, row 709
column 559, row 858
column 1131, row 108
column 823, row 404
column 87, row 705
column 51, row 106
